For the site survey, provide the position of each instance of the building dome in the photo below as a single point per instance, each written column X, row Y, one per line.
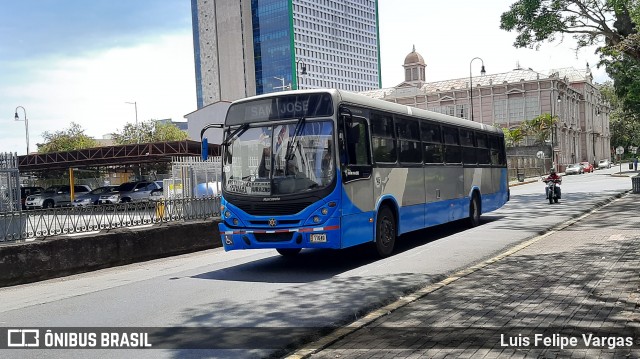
column 414, row 58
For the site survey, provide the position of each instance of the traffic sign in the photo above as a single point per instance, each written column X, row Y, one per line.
column 540, row 155
column 619, row 150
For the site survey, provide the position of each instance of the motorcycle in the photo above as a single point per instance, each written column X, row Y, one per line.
column 553, row 190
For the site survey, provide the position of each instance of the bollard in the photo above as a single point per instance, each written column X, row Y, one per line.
column 160, row 209
column 635, row 183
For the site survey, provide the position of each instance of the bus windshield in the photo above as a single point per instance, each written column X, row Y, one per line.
column 257, row 162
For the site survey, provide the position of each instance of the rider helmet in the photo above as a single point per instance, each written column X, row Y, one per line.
column 552, row 171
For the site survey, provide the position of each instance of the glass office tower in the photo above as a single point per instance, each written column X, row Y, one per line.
column 248, row 47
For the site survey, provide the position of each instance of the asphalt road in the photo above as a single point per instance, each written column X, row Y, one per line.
column 261, row 289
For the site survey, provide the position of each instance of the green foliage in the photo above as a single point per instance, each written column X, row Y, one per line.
column 588, row 21
column 626, row 75
column 540, row 127
column 148, row 131
column 514, row 136
column 624, row 125
column 72, row 138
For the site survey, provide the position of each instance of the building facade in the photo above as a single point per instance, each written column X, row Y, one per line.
column 581, row 132
column 248, row 47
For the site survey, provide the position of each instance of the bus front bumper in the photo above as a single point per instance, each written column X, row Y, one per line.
column 322, row 236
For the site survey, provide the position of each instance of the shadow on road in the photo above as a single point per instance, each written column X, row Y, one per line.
column 312, row 265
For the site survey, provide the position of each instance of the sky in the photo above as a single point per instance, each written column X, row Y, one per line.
column 85, row 61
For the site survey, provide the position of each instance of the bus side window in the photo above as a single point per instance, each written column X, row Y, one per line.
column 409, row 140
column 452, row 150
column 496, row 143
column 432, row 142
column 383, row 137
column 357, row 144
column 482, row 149
column 467, row 141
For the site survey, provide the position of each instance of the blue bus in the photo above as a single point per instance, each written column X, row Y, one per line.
column 334, row 169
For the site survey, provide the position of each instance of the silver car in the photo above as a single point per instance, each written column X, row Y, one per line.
column 574, row 169
column 130, row 192
column 55, row 196
column 92, row 197
column 604, row 164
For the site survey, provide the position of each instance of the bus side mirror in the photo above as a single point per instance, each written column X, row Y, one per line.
column 204, row 151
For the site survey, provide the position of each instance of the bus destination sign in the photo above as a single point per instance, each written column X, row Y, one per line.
column 280, row 108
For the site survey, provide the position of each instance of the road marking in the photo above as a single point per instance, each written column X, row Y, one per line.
column 342, row 332
column 617, row 237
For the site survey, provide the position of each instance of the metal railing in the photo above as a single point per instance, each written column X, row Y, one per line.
column 23, row 225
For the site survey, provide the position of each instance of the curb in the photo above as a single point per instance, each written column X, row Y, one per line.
column 342, row 332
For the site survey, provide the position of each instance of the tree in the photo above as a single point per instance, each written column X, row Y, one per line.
column 148, row 131
column 514, row 136
column 606, row 23
column 624, row 126
column 72, row 138
column 539, row 127
column 625, row 73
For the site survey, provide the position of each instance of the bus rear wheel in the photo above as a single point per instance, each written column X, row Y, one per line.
column 474, row 211
column 288, row 252
column 385, row 232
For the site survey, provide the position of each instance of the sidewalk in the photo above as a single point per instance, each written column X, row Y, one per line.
column 563, row 286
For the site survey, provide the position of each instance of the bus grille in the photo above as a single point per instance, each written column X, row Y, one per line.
column 273, row 208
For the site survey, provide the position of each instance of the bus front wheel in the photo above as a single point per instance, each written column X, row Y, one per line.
column 288, row 252
column 385, row 232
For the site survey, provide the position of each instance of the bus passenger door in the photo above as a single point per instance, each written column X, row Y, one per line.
column 357, row 194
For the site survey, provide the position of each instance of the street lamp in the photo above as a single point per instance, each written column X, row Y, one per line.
column 135, row 104
column 554, row 135
column 482, row 72
column 26, row 124
column 299, row 64
column 283, row 87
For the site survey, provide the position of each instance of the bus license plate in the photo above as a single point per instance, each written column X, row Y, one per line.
column 318, row 237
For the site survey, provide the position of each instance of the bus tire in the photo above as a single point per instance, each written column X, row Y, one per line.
column 288, row 252
column 474, row 211
column 385, row 232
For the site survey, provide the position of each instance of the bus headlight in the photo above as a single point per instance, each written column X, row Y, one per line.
column 324, row 211
column 227, row 214
column 316, row 219
column 235, row 221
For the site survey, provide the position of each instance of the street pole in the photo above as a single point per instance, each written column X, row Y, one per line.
column 283, row 87
column 26, row 124
column 304, row 72
column 135, row 104
column 482, row 72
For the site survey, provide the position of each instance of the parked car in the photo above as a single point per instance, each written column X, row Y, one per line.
column 588, row 167
column 574, row 169
column 29, row 191
column 604, row 164
column 55, row 196
column 92, row 197
column 130, row 192
column 157, row 194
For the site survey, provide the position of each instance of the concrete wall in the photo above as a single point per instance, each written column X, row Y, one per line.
column 64, row 255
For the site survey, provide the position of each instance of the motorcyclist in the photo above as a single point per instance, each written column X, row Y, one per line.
column 553, row 176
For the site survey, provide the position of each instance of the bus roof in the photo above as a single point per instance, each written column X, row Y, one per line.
column 342, row 96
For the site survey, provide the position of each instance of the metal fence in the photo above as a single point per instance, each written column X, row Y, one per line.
column 25, row 225
column 9, row 182
column 193, row 177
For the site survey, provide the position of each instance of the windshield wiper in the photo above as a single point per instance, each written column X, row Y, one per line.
column 294, row 141
column 237, row 133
